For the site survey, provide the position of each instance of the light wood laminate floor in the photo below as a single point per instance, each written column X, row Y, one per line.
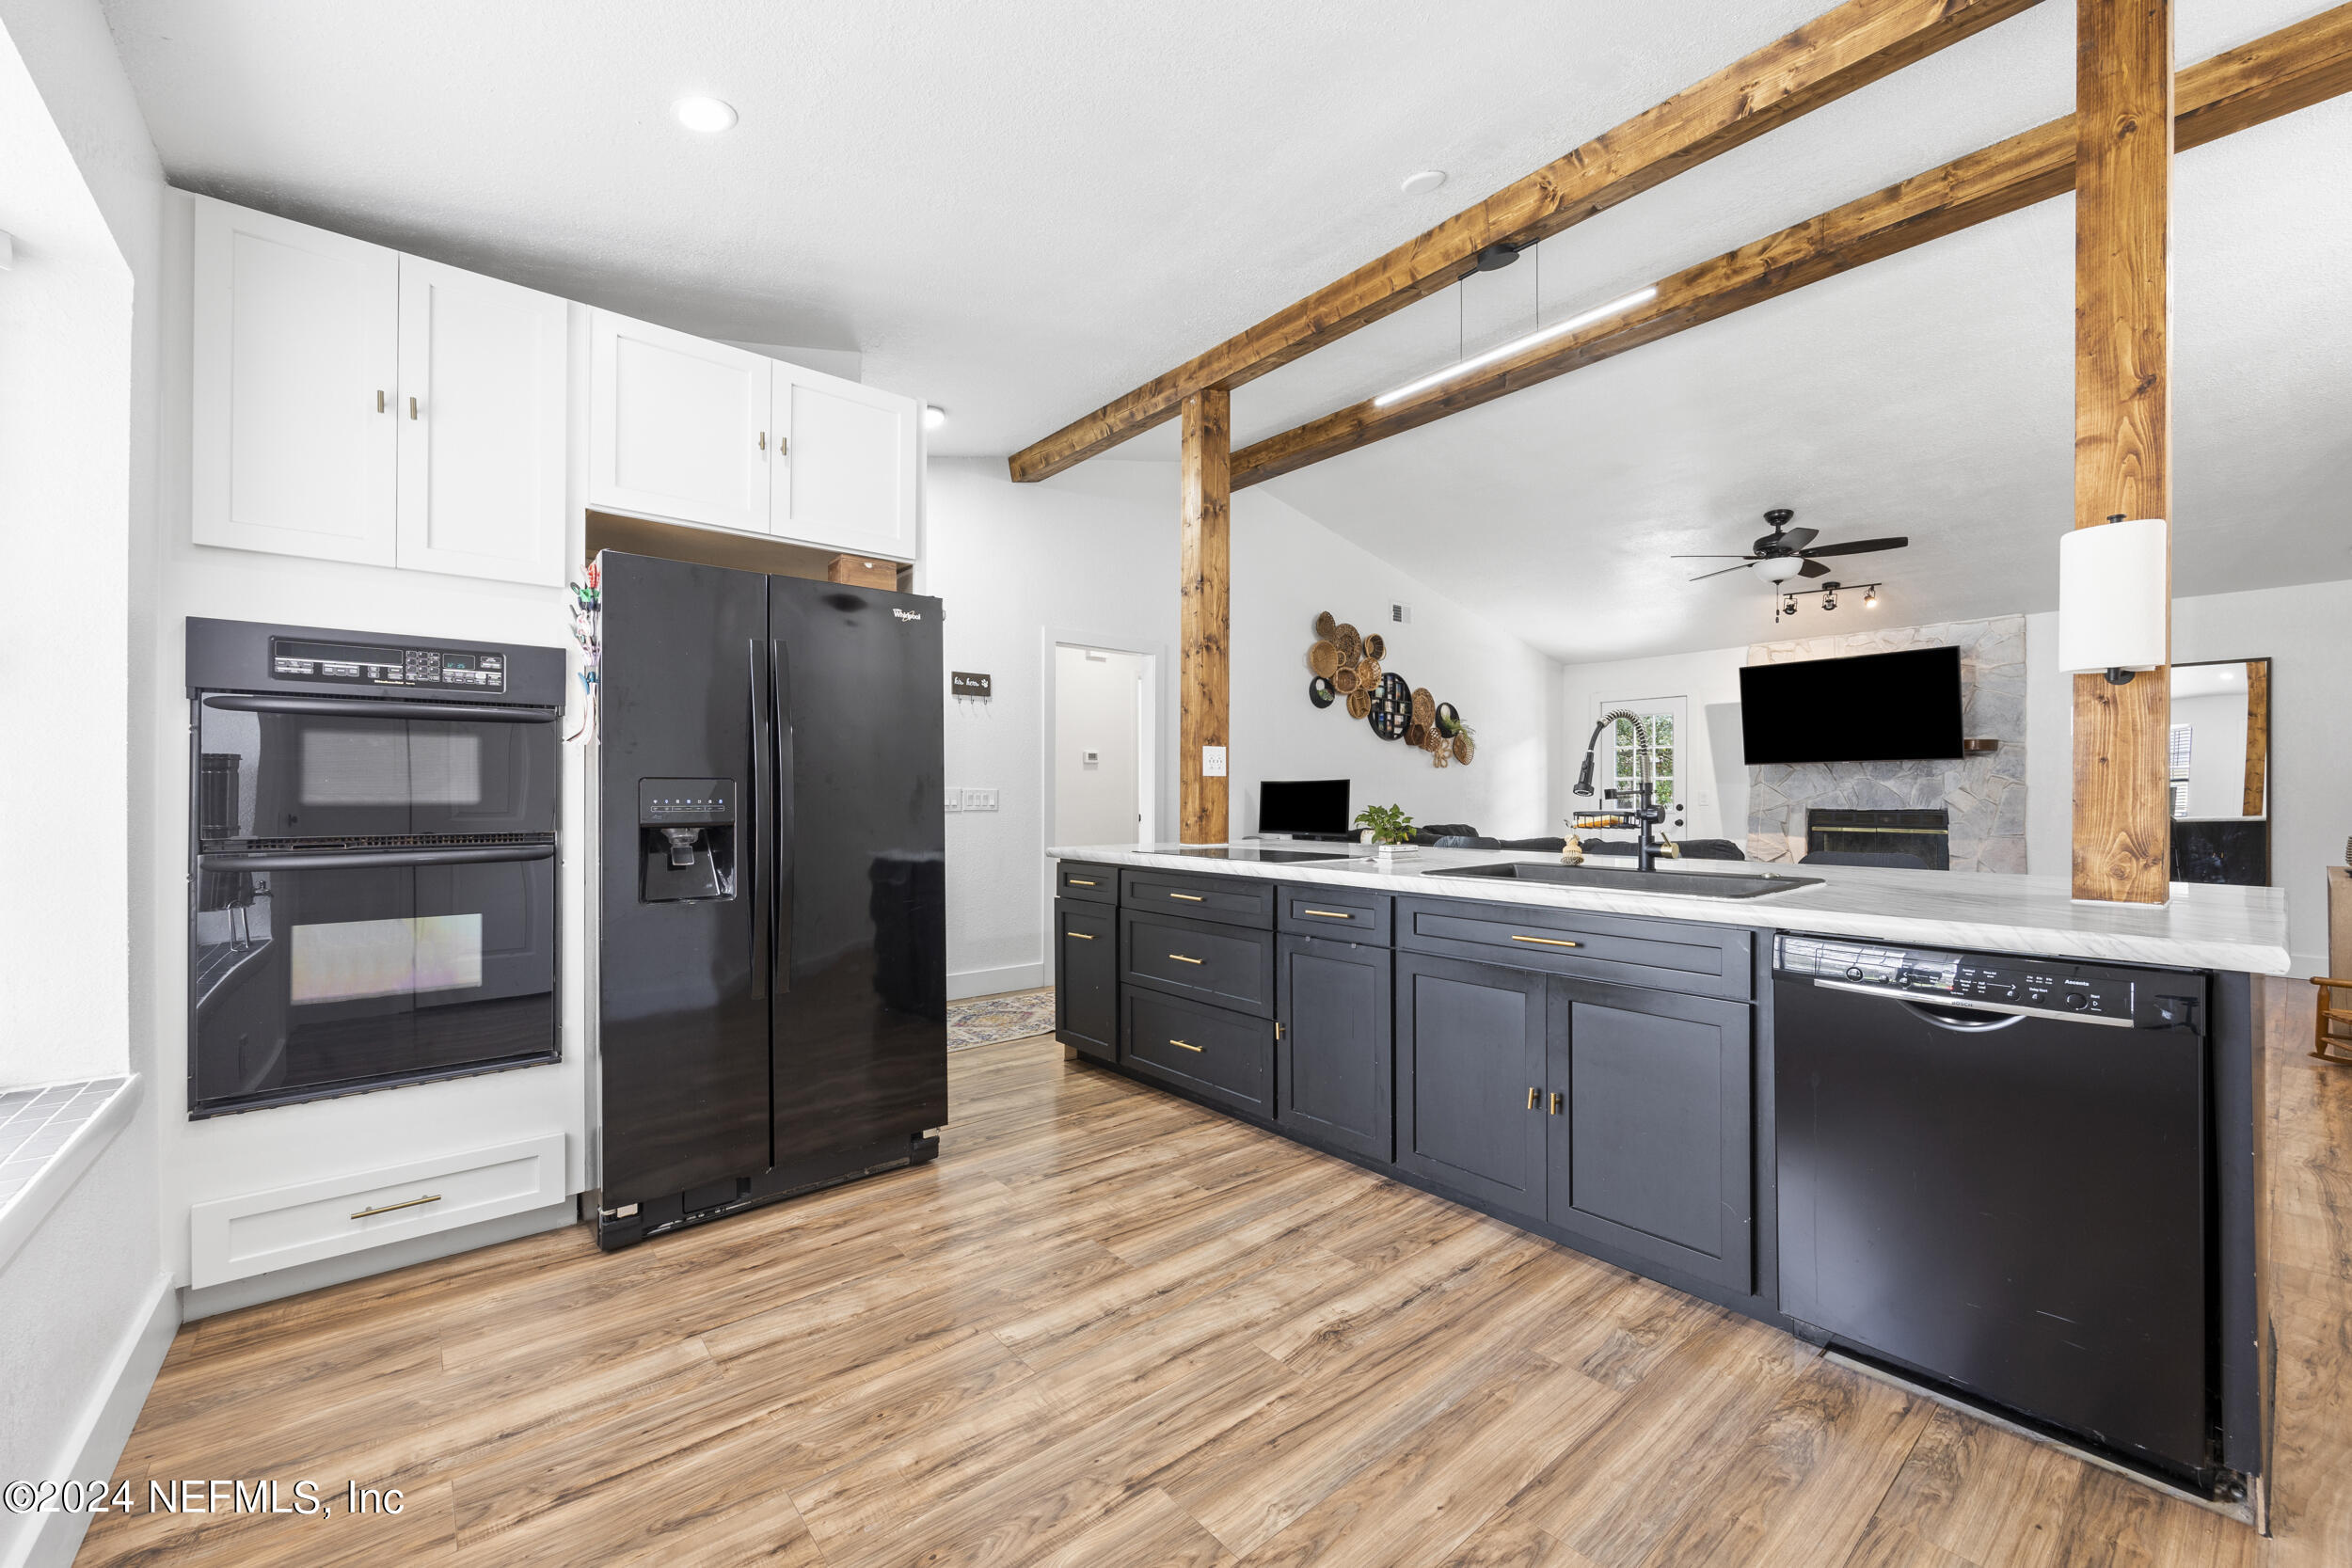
column 1108, row 1328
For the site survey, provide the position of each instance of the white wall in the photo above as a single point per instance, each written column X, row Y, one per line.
column 1096, row 711
column 1090, row 558
column 77, row 490
column 1287, row 568
column 1716, row 775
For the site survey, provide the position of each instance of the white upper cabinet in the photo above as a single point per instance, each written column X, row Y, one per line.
column 297, row 349
column 482, row 425
column 352, row 404
column 846, row 476
column 677, row 425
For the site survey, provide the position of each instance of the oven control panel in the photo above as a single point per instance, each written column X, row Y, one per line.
column 378, row 664
column 1999, row 982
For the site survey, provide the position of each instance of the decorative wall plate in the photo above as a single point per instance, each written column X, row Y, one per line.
column 1358, row 705
column 1367, row 673
column 1448, row 719
column 1321, row 692
column 1323, row 659
column 1464, row 749
column 1424, row 706
column 1325, row 625
column 1344, row 680
column 1344, row 637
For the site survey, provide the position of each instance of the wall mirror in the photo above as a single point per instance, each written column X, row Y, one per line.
column 2220, row 771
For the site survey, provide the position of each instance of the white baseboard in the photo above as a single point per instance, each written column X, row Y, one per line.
column 232, row 1294
column 99, row 1438
column 993, row 982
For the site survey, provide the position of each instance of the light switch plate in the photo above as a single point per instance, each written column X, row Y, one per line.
column 1213, row 762
column 955, row 799
column 980, row 799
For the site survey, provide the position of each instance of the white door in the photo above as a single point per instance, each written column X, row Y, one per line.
column 1097, row 762
column 849, row 475
column 677, row 426
column 1619, row 760
column 482, row 425
column 295, row 360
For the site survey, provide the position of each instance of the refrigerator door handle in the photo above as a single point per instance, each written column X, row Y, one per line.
column 754, row 878
column 779, row 696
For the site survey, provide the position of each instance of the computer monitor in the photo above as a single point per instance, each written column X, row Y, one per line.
column 1309, row 808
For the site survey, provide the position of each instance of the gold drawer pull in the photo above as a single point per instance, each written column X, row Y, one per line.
column 1555, row 1103
column 1189, row 897
column 1184, row 1044
column 1082, row 936
column 1531, row 1100
column 1329, row 914
column 1182, row 959
column 1549, row 941
column 1080, row 881
column 387, row 1207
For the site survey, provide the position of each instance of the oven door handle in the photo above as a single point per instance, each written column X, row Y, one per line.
column 367, row 708
column 370, row 860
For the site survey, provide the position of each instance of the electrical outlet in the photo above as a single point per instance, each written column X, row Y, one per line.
column 980, row 799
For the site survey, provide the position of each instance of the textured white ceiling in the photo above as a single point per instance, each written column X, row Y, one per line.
column 1020, row 210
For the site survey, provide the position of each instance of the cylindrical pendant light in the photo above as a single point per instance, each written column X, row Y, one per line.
column 2113, row 581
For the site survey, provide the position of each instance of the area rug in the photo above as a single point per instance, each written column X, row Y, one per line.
column 986, row 1020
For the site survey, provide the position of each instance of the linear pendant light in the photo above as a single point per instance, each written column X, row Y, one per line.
column 1505, row 351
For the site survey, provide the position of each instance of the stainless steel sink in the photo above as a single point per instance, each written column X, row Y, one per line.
column 1690, row 884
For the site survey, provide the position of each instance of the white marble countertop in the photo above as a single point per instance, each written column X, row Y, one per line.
column 2203, row 927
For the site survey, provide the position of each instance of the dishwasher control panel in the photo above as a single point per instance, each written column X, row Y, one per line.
column 1996, row 982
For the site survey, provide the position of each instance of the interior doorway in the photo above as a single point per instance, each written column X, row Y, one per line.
column 1102, row 768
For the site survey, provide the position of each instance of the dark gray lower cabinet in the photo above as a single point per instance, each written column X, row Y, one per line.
column 1649, row 1152
column 1222, row 1055
column 1333, row 1044
column 1086, row 976
column 1470, row 1074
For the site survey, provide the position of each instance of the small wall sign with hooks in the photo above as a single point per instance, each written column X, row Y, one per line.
column 970, row 684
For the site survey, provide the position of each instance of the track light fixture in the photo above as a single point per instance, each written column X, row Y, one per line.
column 1787, row 603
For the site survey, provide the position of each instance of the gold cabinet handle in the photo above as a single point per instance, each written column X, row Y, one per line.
column 1278, row 1029
column 1329, row 914
column 1080, row 881
column 412, row 408
column 1189, row 897
column 379, row 399
column 763, row 441
column 387, row 1207
column 1531, row 1099
column 1082, row 936
column 1549, row 941
column 1186, row 1045
column 1182, row 959
column 1556, row 1102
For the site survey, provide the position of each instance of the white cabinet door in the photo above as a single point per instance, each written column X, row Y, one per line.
column 296, row 351
column 677, row 425
column 849, row 477
column 481, row 415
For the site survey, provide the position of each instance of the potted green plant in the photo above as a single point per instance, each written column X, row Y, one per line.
column 1388, row 830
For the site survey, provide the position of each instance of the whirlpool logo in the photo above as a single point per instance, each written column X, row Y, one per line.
column 907, row 614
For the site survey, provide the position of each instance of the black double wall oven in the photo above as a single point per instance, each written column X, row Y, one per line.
column 373, row 829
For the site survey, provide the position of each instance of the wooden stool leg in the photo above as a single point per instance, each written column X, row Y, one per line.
column 2328, row 1047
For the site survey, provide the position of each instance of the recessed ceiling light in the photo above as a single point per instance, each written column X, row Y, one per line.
column 706, row 115
column 933, row 415
column 1423, row 184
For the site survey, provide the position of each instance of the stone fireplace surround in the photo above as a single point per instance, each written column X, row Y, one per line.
column 1984, row 795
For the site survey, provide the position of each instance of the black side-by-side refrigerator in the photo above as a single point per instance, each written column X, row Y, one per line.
column 771, row 935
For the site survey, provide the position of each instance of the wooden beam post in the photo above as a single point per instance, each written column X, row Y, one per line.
column 1208, row 439
column 2122, row 418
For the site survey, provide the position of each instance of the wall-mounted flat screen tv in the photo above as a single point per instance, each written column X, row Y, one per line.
column 1873, row 707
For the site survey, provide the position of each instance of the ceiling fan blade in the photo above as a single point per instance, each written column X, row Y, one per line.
column 1860, row 547
column 1721, row 570
column 1813, row 569
column 1799, row 537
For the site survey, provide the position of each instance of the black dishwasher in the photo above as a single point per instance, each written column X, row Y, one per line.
column 1995, row 1177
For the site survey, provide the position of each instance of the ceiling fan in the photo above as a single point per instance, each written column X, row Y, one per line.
column 1789, row 552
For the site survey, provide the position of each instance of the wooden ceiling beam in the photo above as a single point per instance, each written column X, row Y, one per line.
column 2292, row 68
column 1845, row 48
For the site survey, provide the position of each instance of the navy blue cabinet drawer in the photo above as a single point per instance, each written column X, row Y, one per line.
column 1095, row 884
column 1229, row 899
column 1345, row 913
column 1225, row 966
column 1662, row 954
column 1221, row 1055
